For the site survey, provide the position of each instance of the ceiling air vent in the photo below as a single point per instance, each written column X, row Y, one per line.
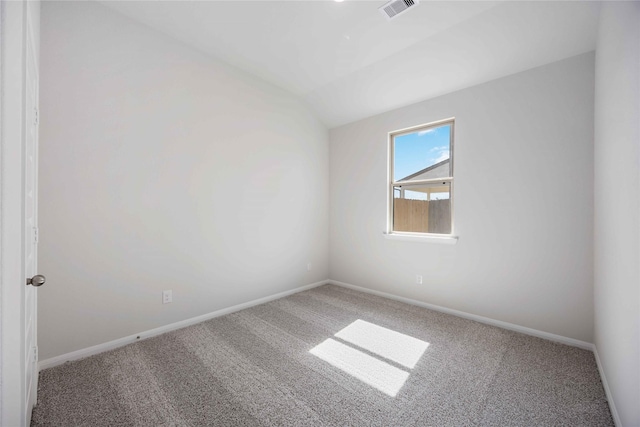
column 397, row 7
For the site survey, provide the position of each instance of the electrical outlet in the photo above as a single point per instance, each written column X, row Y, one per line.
column 308, row 266
column 418, row 279
column 167, row 297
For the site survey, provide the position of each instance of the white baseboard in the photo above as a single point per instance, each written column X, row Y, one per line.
column 607, row 390
column 504, row 325
column 100, row 348
column 90, row 351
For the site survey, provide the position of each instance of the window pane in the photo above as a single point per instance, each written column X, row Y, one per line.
column 423, row 154
column 422, row 208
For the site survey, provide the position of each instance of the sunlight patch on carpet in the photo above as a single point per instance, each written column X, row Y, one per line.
column 377, row 372
column 384, row 342
column 381, row 375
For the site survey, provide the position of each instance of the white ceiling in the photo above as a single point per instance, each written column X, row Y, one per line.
column 348, row 62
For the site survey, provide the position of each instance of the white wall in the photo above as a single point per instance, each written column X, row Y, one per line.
column 164, row 169
column 617, row 205
column 523, row 202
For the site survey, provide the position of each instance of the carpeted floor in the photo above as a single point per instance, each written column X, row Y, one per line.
column 329, row 357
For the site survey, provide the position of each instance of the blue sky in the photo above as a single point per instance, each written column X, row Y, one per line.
column 416, row 151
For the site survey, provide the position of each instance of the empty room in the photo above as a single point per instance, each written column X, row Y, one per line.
column 320, row 213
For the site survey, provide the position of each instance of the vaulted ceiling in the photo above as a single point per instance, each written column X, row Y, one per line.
column 347, row 62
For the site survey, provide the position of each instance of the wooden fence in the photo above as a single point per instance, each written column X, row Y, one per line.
column 422, row 216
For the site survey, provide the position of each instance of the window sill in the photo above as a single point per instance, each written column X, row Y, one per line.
column 423, row 238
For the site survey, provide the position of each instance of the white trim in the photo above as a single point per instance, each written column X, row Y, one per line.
column 13, row 410
column 422, row 238
column 429, row 125
column 504, row 325
column 607, row 390
column 90, row 351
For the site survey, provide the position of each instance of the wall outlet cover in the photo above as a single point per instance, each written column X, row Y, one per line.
column 167, row 297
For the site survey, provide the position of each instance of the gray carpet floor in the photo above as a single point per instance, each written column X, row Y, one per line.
column 329, row 356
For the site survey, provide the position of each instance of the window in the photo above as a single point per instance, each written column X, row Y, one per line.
column 421, row 179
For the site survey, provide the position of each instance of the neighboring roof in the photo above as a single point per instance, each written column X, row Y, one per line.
column 427, row 173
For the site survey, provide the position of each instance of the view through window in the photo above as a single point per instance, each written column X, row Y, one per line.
column 422, row 179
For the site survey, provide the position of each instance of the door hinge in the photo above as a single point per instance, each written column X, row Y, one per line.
column 35, row 234
column 36, row 118
column 35, row 354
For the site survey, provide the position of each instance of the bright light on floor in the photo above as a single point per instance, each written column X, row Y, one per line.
column 384, row 342
column 376, row 371
column 381, row 375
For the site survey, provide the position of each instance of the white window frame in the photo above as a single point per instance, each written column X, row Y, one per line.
column 445, row 238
